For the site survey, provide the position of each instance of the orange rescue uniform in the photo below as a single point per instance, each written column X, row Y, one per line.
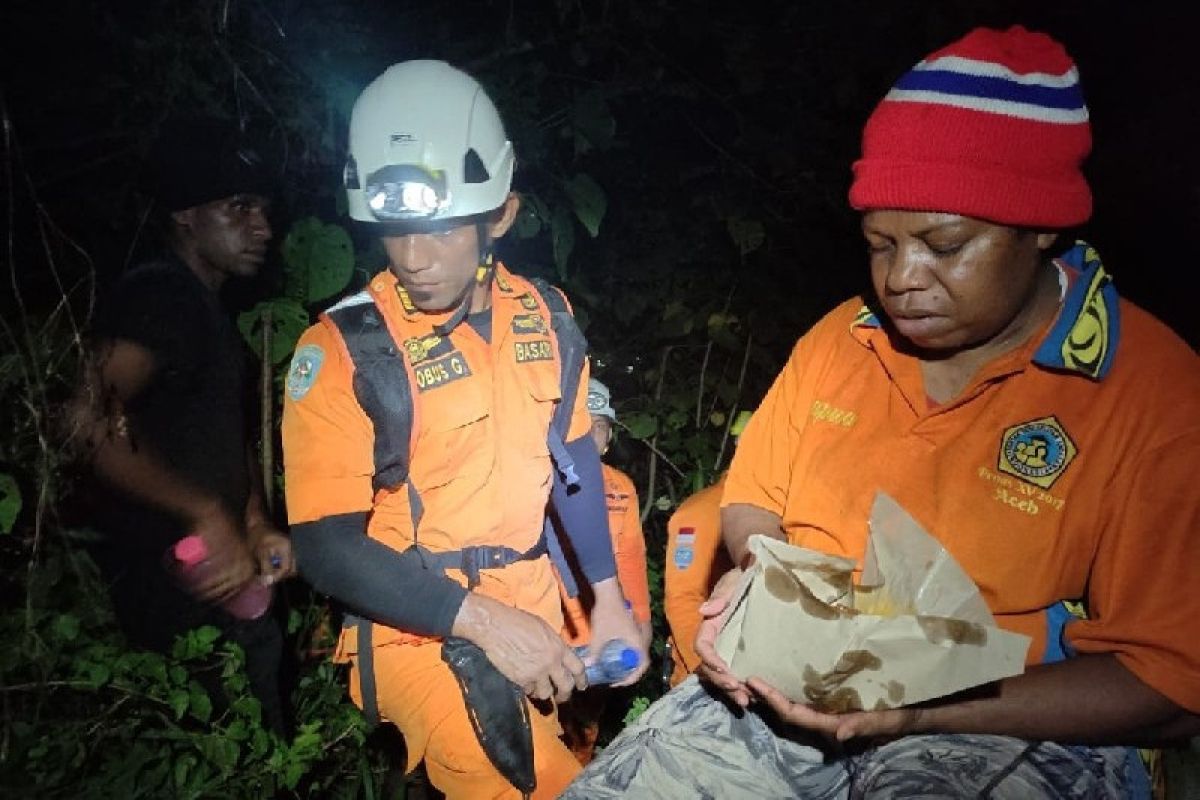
column 696, row 560
column 481, row 466
column 629, row 549
column 1046, row 483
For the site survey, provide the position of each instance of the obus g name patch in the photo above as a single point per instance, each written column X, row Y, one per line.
column 441, row 371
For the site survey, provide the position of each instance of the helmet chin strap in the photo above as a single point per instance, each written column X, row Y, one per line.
column 483, row 273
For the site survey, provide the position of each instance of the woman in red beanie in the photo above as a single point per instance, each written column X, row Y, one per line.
column 1041, row 428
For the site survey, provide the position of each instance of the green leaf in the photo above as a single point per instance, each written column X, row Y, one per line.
column 588, row 200
column 98, row 674
column 179, row 701
column 318, row 260
column 288, row 321
column 10, row 502
column 640, row 426
column 199, row 703
column 66, row 627
column 747, row 234
column 293, row 774
column 562, row 236
column 182, row 767
column 636, row 709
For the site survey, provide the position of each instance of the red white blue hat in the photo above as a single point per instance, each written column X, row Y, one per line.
column 993, row 126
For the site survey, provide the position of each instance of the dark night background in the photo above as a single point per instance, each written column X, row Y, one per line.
column 749, row 108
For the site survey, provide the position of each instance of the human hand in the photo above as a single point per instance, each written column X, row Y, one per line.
column 839, row 727
column 522, row 647
column 611, row 620
column 273, row 552
column 231, row 563
column 713, row 668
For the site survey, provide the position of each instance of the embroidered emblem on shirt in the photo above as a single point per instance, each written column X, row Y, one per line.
column 405, row 300
column 684, row 553
column 420, row 348
column 529, row 323
column 1037, row 451
column 528, row 303
column 503, row 283
column 441, row 371
column 537, row 350
column 302, row 374
column 825, row 412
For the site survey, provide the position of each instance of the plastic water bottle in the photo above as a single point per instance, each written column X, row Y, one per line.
column 191, row 565
column 617, row 660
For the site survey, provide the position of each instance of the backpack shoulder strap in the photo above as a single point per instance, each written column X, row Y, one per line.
column 381, row 384
column 572, row 350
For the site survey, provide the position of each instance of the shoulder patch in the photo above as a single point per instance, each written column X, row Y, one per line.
column 865, row 318
column 1085, row 337
column 684, row 548
column 1038, row 451
column 302, row 374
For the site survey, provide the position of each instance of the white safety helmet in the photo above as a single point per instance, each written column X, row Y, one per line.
column 426, row 145
column 599, row 401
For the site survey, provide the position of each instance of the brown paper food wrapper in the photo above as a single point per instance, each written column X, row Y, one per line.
column 914, row 628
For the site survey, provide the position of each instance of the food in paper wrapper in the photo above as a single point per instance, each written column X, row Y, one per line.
column 914, row 628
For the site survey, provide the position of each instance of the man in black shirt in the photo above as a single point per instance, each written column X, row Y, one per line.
column 164, row 411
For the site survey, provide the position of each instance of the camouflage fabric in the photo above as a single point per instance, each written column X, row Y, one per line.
column 691, row 744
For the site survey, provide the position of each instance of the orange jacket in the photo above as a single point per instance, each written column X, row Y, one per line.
column 629, row 548
column 1046, row 483
column 479, row 459
column 696, row 559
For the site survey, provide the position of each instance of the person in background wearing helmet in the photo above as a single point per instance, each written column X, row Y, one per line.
column 1042, row 428
column 580, row 716
column 695, row 561
column 162, row 413
column 433, row 538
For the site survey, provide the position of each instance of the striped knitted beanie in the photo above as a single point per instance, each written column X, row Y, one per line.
column 993, row 126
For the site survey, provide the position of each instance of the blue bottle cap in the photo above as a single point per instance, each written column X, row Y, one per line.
column 629, row 658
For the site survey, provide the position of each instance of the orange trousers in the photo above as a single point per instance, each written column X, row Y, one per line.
column 417, row 692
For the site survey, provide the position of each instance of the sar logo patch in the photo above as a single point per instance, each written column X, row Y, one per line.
column 537, row 350
column 441, row 371
column 529, row 323
column 528, row 303
column 419, row 348
column 1036, row 451
column 302, row 374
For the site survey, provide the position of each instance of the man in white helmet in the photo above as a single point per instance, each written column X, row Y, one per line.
column 420, row 453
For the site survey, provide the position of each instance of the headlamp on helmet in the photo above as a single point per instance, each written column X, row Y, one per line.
column 406, row 192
